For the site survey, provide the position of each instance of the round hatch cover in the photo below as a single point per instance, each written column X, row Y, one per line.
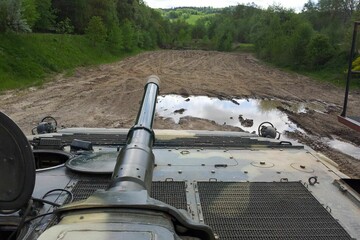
column 17, row 167
column 99, row 162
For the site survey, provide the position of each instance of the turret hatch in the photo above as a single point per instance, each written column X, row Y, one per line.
column 17, row 168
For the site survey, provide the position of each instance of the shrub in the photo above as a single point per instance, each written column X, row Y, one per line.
column 319, row 50
column 129, row 36
column 65, row 27
column 96, row 31
column 115, row 39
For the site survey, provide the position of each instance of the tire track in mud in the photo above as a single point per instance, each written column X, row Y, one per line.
column 109, row 95
column 198, row 72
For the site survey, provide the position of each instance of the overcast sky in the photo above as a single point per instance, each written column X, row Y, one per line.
column 295, row 4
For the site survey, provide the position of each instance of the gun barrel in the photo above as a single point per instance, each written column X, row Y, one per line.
column 135, row 163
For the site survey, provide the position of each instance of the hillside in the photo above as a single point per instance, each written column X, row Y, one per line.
column 27, row 59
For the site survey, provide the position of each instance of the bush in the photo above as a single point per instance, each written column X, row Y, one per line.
column 115, row 39
column 96, row 31
column 29, row 12
column 319, row 51
column 225, row 42
column 300, row 39
column 12, row 17
column 129, row 36
column 145, row 40
column 47, row 17
column 65, row 27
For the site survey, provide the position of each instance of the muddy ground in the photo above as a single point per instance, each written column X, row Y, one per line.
column 109, row 95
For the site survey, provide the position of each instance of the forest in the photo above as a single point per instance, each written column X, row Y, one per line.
column 314, row 41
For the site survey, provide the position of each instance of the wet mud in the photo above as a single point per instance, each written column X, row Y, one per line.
column 109, row 96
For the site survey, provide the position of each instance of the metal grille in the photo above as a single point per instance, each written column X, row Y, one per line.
column 266, row 211
column 222, row 141
column 198, row 141
column 172, row 193
column 95, row 139
column 85, row 187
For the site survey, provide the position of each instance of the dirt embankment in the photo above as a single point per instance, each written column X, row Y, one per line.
column 108, row 95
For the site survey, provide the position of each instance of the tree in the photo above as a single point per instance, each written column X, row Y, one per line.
column 300, row 39
column 106, row 9
column 128, row 32
column 125, row 10
column 29, row 12
column 46, row 20
column 173, row 15
column 3, row 16
column 14, row 20
column 199, row 30
column 81, row 11
column 282, row 36
column 96, row 31
column 225, row 42
column 184, row 36
column 75, row 10
column 115, row 39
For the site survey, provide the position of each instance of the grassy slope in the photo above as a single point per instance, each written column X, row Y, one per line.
column 26, row 59
column 193, row 18
column 334, row 72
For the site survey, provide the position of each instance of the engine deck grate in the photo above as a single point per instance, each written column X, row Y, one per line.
column 193, row 142
column 172, row 192
column 266, row 211
column 244, row 210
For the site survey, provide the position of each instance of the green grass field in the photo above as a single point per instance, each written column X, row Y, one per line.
column 244, row 47
column 193, row 18
column 28, row 59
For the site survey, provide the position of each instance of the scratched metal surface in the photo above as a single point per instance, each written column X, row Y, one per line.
column 228, row 164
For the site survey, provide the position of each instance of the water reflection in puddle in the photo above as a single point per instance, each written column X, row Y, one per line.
column 247, row 114
column 345, row 147
column 227, row 111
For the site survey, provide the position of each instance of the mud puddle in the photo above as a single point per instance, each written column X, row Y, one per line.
column 247, row 114
column 344, row 147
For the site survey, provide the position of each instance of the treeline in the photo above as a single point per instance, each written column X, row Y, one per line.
column 40, row 37
column 186, row 12
column 317, row 37
column 121, row 25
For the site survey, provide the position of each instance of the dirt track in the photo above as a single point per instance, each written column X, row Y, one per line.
column 108, row 95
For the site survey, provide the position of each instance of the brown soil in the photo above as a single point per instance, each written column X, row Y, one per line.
column 108, row 95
